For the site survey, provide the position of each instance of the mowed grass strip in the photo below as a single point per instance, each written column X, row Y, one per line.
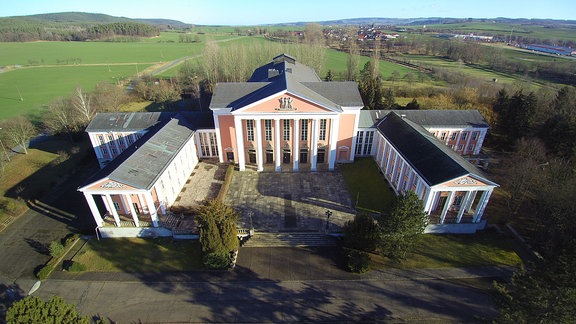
column 368, row 188
column 484, row 248
column 139, row 255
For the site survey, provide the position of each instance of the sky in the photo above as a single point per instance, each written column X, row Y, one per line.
column 260, row 12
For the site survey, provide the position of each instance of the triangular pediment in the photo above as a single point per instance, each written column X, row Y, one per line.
column 467, row 181
column 285, row 103
column 108, row 184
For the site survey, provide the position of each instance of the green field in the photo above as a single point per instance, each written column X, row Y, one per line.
column 40, row 72
column 39, row 86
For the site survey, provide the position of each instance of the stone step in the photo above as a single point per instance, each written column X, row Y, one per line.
column 297, row 239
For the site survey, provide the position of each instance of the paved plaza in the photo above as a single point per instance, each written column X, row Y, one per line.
column 290, row 201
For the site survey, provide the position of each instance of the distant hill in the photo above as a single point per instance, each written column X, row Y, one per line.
column 84, row 18
column 80, row 26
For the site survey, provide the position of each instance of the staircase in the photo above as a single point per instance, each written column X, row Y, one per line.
column 289, row 239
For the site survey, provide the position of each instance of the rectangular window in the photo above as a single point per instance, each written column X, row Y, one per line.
column 130, row 139
column 458, row 200
column 304, row 132
column 359, row 141
column 460, row 147
column 110, row 138
column 114, row 151
column 101, row 139
column 368, row 143
column 443, row 136
column 463, row 136
column 286, row 130
column 322, row 135
column 453, row 137
column 268, row 129
column 116, row 205
column 213, row 144
column 104, row 150
column 250, row 129
column 475, row 135
column 471, row 148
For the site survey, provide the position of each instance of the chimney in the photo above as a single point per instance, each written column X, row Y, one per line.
column 273, row 73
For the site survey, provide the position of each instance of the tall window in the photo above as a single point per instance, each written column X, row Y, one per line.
column 453, row 137
column 286, row 129
column 250, row 129
column 463, row 136
column 322, row 135
column 268, row 129
column 359, row 141
column 304, row 133
column 368, row 143
column 443, row 136
column 101, row 139
column 130, row 139
column 475, row 136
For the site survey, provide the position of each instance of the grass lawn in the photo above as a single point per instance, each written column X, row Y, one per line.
column 140, row 255
column 368, row 188
column 441, row 251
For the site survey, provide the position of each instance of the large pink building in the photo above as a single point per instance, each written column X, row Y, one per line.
column 285, row 118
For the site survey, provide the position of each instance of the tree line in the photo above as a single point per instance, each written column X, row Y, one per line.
column 28, row 31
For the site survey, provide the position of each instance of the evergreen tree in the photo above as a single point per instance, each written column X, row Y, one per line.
column 34, row 310
column 361, row 233
column 402, row 229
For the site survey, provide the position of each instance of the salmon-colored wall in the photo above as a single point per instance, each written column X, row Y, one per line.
column 346, row 132
column 227, row 134
column 270, row 106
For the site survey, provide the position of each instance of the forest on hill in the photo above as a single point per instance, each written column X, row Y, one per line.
column 76, row 26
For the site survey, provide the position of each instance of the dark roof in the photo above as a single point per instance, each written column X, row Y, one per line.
column 144, row 161
column 125, row 122
column 429, row 118
column 435, row 162
column 285, row 74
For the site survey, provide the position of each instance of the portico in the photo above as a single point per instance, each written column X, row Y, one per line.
column 286, row 116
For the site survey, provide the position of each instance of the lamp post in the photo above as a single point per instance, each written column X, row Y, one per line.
column 250, row 214
column 328, row 214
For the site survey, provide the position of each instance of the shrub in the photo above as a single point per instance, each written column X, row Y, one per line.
column 44, row 272
column 56, row 249
column 216, row 260
column 77, row 267
column 357, row 261
column 361, row 233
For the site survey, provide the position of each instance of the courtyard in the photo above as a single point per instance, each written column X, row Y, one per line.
column 290, row 201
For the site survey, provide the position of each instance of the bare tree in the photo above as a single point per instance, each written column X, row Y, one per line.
column 353, row 58
column 61, row 117
column 17, row 132
column 108, row 97
column 313, row 34
column 81, row 102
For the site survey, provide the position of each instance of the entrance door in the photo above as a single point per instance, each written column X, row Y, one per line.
column 441, row 203
column 321, row 156
column 269, row 157
column 303, row 156
column 286, row 157
column 230, row 156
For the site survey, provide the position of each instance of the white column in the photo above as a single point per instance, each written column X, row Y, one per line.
column 296, row 145
column 314, row 152
column 429, row 200
column 383, row 151
column 94, row 209
column 151, row 209
column 471, row 201
column 334, row 123
column 240, row 143
column 446, row 207
column 463, row 205
column 259, row 158
column 128, row 198
column 482, row 206
column 218, row 139
column 401, row 177
column 277, row 153
column 113, row 210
